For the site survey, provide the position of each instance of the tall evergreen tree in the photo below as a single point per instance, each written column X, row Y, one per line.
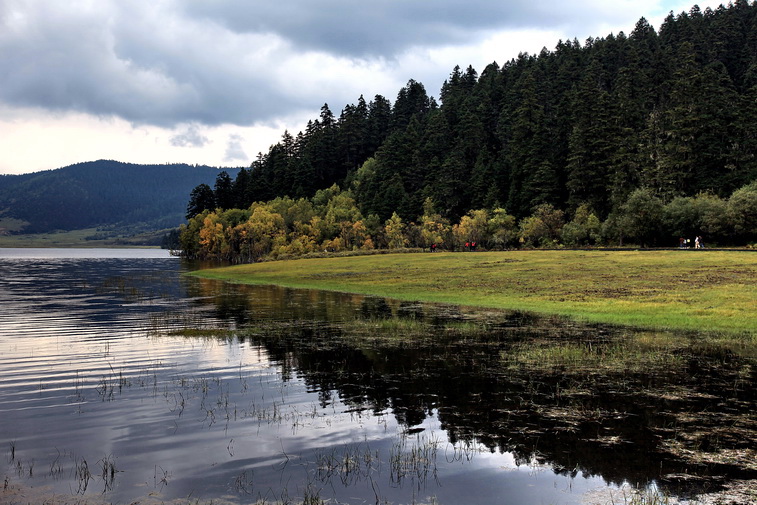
column 691, row 147
column 224, row 191
column 202, row 198
column 378, row 125
column 593, row 142
column 411, row 100
column 527, row 145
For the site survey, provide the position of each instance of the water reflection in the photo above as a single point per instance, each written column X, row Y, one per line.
column 122, row 380
column 686, row 421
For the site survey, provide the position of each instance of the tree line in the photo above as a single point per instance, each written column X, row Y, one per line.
column 331, row 221
column 590, row 129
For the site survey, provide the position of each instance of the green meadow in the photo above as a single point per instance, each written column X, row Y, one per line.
column 700, row 290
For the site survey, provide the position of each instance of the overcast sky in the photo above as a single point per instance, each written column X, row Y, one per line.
column 217, row 81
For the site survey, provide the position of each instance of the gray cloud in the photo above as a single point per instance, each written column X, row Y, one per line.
column 132, row 61
column 168, row 62
column 380, row 28
column 190, row 138
column 234, row 150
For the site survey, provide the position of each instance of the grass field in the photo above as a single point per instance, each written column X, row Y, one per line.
column 703, row 290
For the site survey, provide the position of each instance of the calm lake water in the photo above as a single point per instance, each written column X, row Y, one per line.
column 123, row 381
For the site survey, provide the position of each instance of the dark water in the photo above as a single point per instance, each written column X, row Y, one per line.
column 122, row 381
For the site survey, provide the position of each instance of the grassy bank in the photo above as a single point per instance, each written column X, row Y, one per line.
column 692, row 290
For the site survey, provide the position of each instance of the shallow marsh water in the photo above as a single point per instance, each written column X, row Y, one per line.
column 122, row 381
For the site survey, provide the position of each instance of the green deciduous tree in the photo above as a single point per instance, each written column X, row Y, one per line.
column 742, row 212
column 543, row 227
column 687, row 217
column 502, row 229
column 639, row 218
column 584, row 229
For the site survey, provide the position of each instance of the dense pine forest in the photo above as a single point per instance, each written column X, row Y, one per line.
column 646, row 137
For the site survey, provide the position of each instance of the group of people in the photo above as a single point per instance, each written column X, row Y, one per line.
column 684, row 243
column 469, row 246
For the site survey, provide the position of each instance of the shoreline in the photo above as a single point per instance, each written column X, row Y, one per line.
column 649, row 289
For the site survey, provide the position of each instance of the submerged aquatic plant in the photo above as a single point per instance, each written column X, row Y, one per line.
column 625, row 352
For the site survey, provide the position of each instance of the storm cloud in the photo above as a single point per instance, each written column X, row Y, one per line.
column 387, row 28
column 136, row 61
column 168, row 62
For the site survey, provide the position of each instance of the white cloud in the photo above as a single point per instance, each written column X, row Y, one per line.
column 33, row 140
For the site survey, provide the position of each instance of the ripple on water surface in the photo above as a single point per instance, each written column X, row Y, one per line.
column 270, row 398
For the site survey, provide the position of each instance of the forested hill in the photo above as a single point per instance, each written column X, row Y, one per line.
column 672, row 110
column 100, row 193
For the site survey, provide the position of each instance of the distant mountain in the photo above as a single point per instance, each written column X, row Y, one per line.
column 102, row 193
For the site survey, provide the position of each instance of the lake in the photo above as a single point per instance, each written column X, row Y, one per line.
column 123, row 381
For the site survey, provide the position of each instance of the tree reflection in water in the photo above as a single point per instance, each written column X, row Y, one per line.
column 676, row 410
